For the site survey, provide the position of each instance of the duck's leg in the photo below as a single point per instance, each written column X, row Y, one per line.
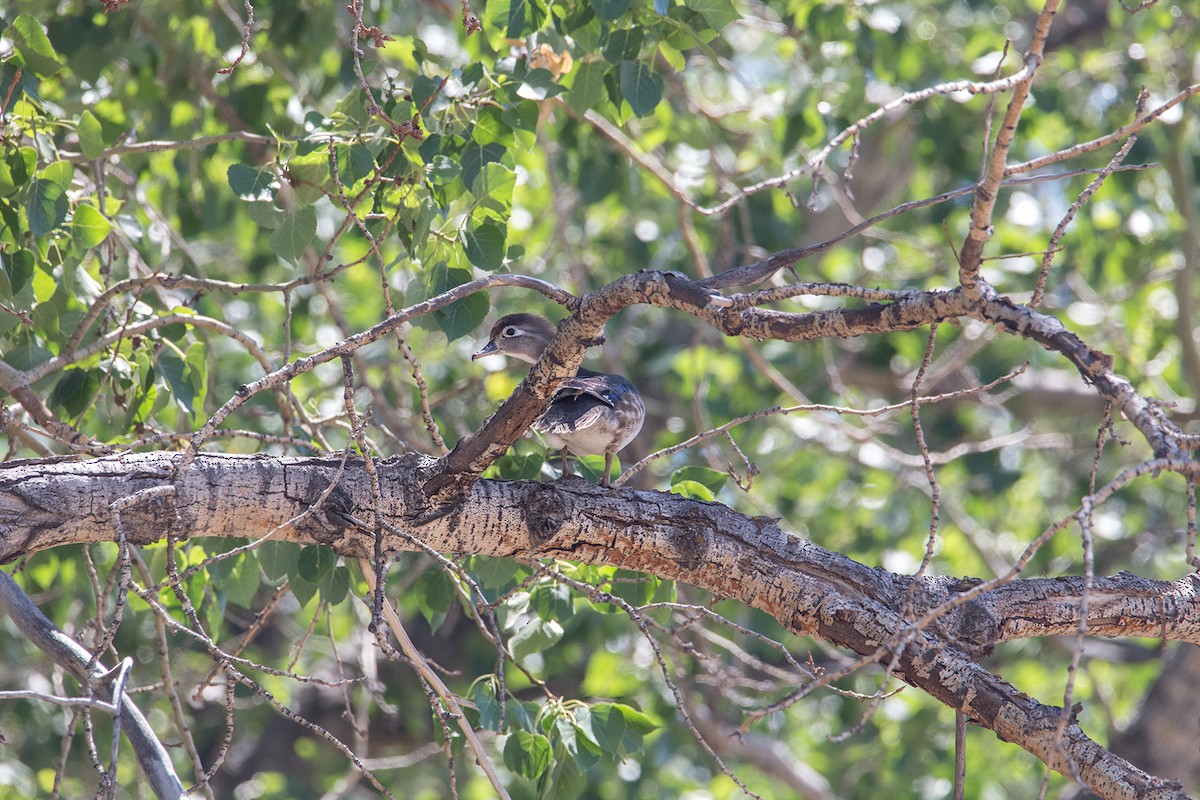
column 566, row 469
column 608, row 459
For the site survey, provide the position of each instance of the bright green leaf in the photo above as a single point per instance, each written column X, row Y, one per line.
column 91, row 135
column 173, row 371
column 692, row 489
column 493, row 187
column 475, row 156
column 713, row 479
column 88, row 227
column 552, row 601
column 442, row 169
column 265, row 214
column 354, row 163
column 637, row 721
column 34, row 46
column 243, row 584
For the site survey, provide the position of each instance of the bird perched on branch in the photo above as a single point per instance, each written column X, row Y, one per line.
column 592, row 413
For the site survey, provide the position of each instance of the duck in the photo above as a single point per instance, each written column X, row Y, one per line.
column 591, row 413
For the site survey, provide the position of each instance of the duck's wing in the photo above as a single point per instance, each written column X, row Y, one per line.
column 584, row 401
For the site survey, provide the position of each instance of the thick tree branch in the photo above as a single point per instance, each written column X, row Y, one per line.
column 810, row 590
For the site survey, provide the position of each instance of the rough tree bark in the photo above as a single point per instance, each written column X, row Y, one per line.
column 812, row 591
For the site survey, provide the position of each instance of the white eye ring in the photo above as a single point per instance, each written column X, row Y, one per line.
column 510, row 331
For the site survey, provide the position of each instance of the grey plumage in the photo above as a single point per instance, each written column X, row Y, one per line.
column 592, row 413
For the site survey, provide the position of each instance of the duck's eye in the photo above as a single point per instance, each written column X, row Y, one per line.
column 509, row 331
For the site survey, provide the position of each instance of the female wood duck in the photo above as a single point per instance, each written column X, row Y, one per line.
column 591, row 413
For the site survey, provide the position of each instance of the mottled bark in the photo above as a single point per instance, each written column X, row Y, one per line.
column 811, row 590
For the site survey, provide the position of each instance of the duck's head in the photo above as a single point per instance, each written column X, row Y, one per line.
column 522, row 336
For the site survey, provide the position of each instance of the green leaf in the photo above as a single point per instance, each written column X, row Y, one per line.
column 475, row 156
column 635, row 588
column 588, row 88
column 527, row 754
column 462, row 316
column 294, row 233
column 552, row 601
column 314, row 562
column 196, row 360
column 442, row 169
column 278, row 559
column 485, row 245
column 434, row 592
column 265, row 214
column 717, row 13
column 603, row 725
column 61, row 172
column 34, row 46
column 424, row 87
column 711, row 478
column 535, row 636
column 251, row 183
column 19, row 267
column 693, row 490
column 610, row 9
column 484, row 696
column 88, row 228
column 354, row 163
column 243, row 583
column 310, row 173
column 623, row 45
column 46, row 206
column 16, row 169
column 91, row 135
column 27, row 356
column 173, row 371
column 637, row 721
column 494, row 573
column 493, row 187
column 522, row 462
column 641, row 87
column 514, row 15
column 302, row 589
column 522, row 116
column 335, row 585
column 75, row 390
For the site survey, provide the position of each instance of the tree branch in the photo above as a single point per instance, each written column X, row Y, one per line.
column 810, row 590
